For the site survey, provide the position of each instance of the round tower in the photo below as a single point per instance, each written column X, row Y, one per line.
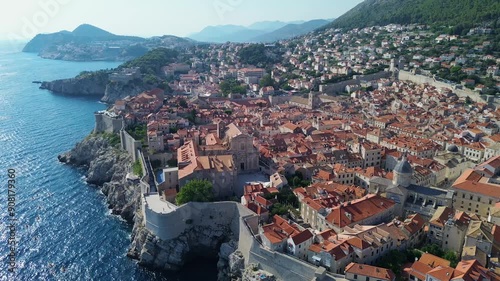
column 402, row 173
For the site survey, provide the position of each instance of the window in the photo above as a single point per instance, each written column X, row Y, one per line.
column 355, row 276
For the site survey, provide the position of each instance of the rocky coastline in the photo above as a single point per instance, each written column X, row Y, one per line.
column 108, row 92
column 75, row 87
column 106, row 167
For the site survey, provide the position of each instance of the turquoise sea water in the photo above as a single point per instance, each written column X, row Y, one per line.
column 64, row 230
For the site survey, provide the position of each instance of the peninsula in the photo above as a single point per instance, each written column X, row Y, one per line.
column 90, row 43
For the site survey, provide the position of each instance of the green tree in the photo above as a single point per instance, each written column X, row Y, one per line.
column 452, row 257
column 279, row 209
column 232, row 86
column 266, row 81
column 183, row 103
column 172, row 162
column 195, row 191
column 433, row 249
column 137, row 168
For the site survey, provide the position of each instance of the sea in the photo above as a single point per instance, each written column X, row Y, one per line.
column 62, row 226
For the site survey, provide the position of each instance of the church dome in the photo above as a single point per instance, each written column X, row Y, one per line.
column 452, row 148
column 403, row 167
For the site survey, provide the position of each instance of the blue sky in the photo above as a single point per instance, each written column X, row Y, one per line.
column 22, row 19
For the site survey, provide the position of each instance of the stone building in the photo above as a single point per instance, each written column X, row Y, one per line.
column 240, row 145
column 411, row 198
column 220, row 162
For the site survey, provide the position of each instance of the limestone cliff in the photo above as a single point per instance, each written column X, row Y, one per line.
column 95, row 85
column 76, row 87
column 116, row 91
column 106, row 167
column 152, row 252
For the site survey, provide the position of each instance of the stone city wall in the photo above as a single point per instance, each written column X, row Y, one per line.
column 242, row 225
column 129, row 144
column 175, row 220
column 340, row 87
column 462, row 93
column 107, row 123
column 281, row 265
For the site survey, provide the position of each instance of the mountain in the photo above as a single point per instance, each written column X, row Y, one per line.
column 291, row 30
column 92, row 31
column 265, row 31
column 431, row 12
column 90, row 43
column 267, row 25
column 224, row 33
column 83, row 34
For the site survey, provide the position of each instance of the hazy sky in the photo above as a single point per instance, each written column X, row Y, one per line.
column 23, row 19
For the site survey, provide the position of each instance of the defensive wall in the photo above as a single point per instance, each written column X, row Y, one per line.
column 108, row 122
column 462, row 93
column 129, row 144
column 168, row 221
column 333, row 88
column 281, row 265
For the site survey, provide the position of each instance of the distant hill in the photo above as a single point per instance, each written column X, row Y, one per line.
column 224, row 33
column 431, row 12
column 84, row 33
column 267, row 26
column 291, row 30
column 265, row 31
column 92, row 32
column 87, row 43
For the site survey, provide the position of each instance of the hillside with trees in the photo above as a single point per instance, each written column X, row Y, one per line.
column 465, row 13
column 153, row 61
column 259, row 55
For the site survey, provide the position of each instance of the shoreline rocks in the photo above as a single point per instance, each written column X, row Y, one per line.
column 95, row 86
column 75, row 87
column 106, row 167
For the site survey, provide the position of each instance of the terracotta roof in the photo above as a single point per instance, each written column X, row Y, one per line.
column 313, row 204
column 378, row 273
column 263, row 201
column 358, row 243
column 473, row 182
column 433, row 261
column 441, row 215
column 443, row 273
column 257, row 209
column 419, row 270
column 301, row 237
column 355, row 211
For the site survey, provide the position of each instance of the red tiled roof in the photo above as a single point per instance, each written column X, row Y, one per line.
column 301, row 237
column 355, row 211
column 471, row 181
column 378, row 273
